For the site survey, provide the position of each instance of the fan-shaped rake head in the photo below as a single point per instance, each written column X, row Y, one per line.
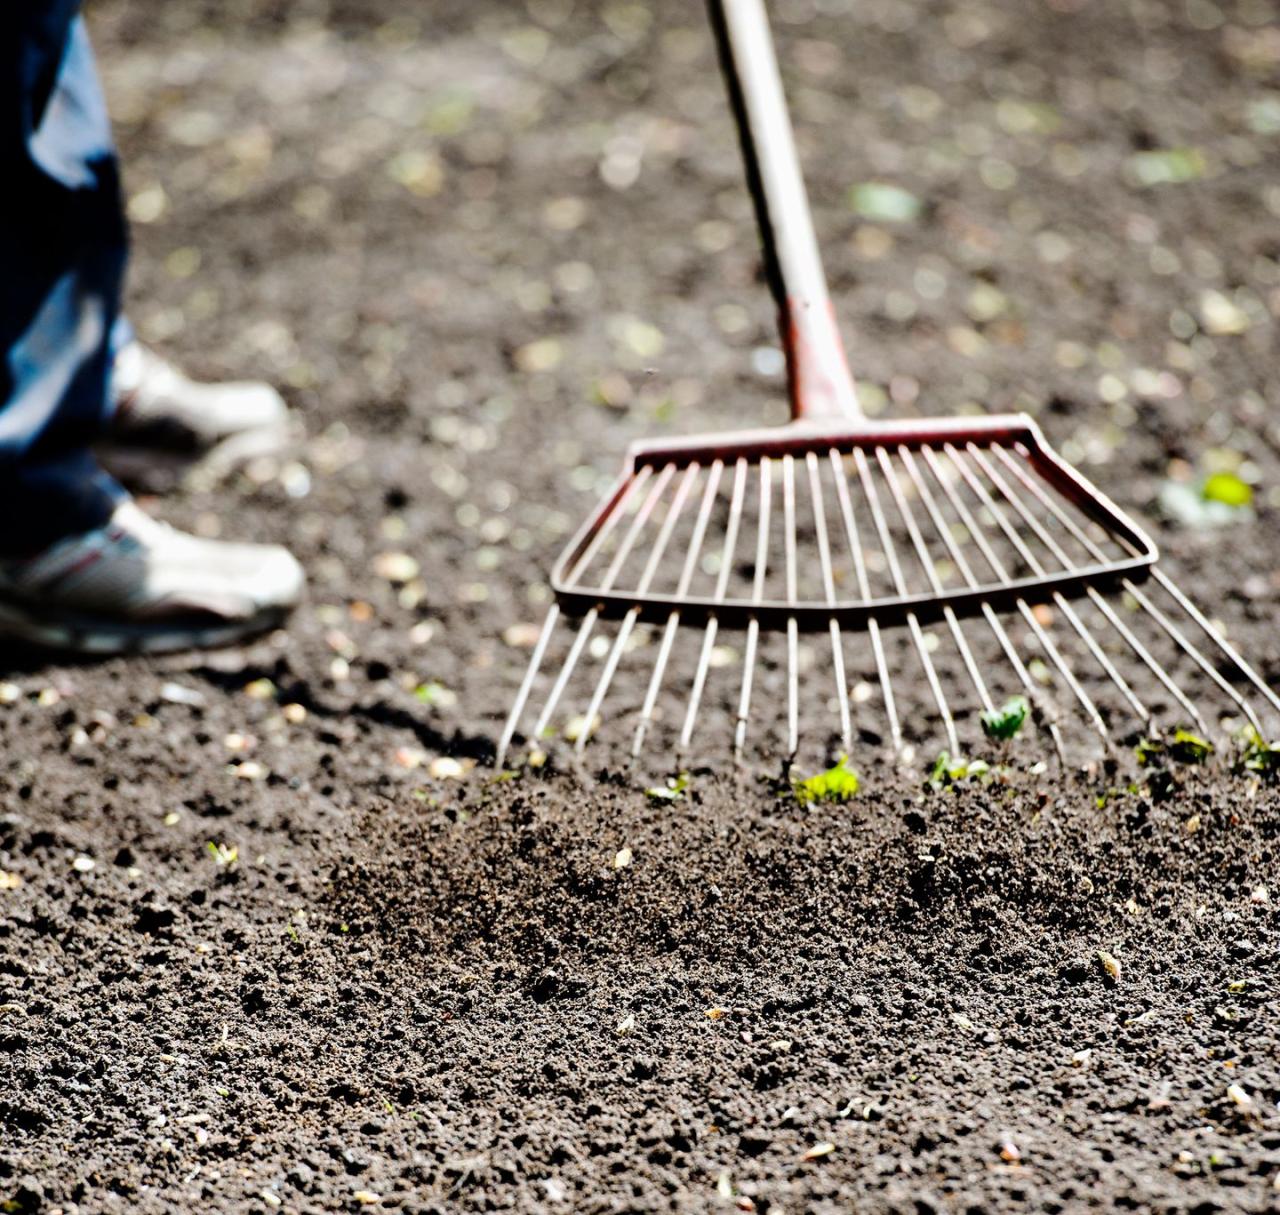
column 957, row 561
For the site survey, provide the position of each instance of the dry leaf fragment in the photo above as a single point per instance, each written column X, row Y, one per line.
column 1110, row 965
column 818, row 1151
column 715, row 1014
column 627, row 1025
column 724, row 1186
column 9, row 881
column 367, row 1198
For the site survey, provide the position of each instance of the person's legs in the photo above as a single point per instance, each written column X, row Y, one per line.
column 81, row 566
column 63, row 249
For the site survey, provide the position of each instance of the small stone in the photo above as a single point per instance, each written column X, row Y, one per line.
column 1239, row 1096
column 445, row 767
column 176, row 694
column 1220, row 316
column 818, row 1151
column 84, row 864
column 395, row 567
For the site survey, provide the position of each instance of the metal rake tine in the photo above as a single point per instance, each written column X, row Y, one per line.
column 589, row 620
column 1214, row 635
column 553, row 613
column 753, row 625
column 1100, row 601
column 979, row 537
column 966, row 572
column 1179, row 639
column 642, row 587
column 913, row 622
column 864, row 589
column 673, row 621
column 526, row 685
column 926, row 562
column 829, row 586
column 793, row 633
column 1060, row 554
column 722, row 586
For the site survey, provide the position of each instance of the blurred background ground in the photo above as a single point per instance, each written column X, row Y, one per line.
column 262, row 948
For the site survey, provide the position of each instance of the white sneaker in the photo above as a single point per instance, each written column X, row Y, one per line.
column 139, row 585
column 157, row 406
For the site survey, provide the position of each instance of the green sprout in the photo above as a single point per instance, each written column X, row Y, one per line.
column 1005, row 722
column 1184, row 747
column 947, row 771
column 879, row 201
column 432, row 692
column 1259, row 755
column 837, row 784
column 223, row 856
column 672, row 791
column 1227, row 488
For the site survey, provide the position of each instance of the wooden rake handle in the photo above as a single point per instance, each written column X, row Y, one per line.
column 818, row 375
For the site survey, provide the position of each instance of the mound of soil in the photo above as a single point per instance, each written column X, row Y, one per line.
column 272, row 935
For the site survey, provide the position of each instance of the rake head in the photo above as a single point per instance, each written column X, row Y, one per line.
column 903, row 540
column 963, row 550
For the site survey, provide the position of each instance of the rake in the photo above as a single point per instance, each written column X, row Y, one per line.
column 910, row 536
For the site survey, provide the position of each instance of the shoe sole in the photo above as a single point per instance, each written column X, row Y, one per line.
column 103, row 637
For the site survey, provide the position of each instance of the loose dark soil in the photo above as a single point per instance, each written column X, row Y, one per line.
column 259, row 950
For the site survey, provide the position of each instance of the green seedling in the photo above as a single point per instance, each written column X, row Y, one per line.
column 836, row 784
column 434, row 693
column 947, row 771
column 877, row 200
column 223, row 856
column 1259, row 755
column 1184, row 747
column 1005, row 722
column 1227, row 488
column 672, row 791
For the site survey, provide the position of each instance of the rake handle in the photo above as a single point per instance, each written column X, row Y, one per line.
column 820, row 384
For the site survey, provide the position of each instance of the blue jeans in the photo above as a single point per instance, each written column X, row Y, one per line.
column 63, row 246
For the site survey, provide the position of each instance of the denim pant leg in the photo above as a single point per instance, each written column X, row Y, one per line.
column 62, row 258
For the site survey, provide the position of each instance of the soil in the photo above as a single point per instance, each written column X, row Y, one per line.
column 272, row 934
